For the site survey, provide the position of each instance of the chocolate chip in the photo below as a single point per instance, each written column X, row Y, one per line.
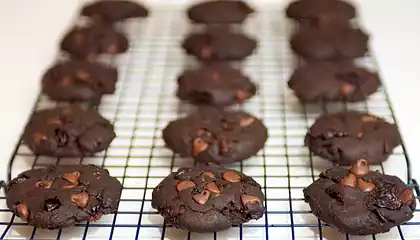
column 360, row 168
column 248, row 199
column 82, row 75
column 212, row 187
column 65, row 81
column 208, row 174
column 81, row 199
column 206, row 51
column 369, row 118
column 23, row 211
column 51, row 204
column 44, row 184
column 69, row 186
column 38, row 137
column 61, row 137
column 346, row 89
column 241, row 95
column 202, row 198
column 223, row 146
column 54, row 121
column 231, row 176
column 349, row 180
column 246, row 121
column 406, row 196
column 72, row 177
column 360, row 134
column 365, row 186
column 199, row 145
column 184, row 185
column 112, row 48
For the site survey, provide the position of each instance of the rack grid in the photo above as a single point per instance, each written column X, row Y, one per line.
column 143, row 104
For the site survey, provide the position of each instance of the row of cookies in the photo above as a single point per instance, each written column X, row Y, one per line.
column 356, row 201
column 57, row 197
column 210, row 198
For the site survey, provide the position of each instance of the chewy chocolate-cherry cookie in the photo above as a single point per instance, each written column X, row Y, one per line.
column 61, row 196
column 216, row 135
column 219, row 12
column 79, row 81
column 349, row 136
column 68, row 132
column 208, row 199
column 111, row 11
column 360, row 201
column 215, row 84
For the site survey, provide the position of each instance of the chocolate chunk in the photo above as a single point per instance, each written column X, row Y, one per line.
column 184, row 185
column 231, row 176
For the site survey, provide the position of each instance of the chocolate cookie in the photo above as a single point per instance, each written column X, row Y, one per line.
column 333, row 81
column 61, row 196
column 110, row 11
column 215, row 135
column 219, row 44
column 88, row 42
column 349, row 136
column 208, row 199
column 219, row 12
column 327, row 10
column 79, row 81
column 359, row 201
column 329, row 43
column 215, row 84
column 68, row 132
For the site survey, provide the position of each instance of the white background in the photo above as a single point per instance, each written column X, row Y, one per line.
column 30, row 31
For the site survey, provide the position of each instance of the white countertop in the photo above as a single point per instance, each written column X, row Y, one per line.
column 30, row 31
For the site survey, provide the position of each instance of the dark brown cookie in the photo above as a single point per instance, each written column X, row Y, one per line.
column 219, row 44
column 333, row 81
column 68, row 132
column 324, row 10
column 61, row 196
column 349, row 136
column 88, row 42
column 219, row 12
column 208, row 199
column 111, row 11
column 215, row 84
column 79, row 81
column 329, row 42
column 218, row 136
column 359, row 201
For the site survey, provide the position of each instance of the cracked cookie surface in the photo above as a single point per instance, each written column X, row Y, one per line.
column 68, row 132
column 219, row 43
column 61, row 196
column 333, row 81
column 347, row 137
column 79, row 81
column 359, row 201
column 215, row 84
column 111, row 11
column 88, row 42
column 208, row 199
column 219, row 12
column 215, row 135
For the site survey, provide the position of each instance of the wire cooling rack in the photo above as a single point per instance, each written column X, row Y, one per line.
column 143, row 104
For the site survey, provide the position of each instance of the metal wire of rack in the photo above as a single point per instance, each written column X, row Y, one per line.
column 143, row 104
